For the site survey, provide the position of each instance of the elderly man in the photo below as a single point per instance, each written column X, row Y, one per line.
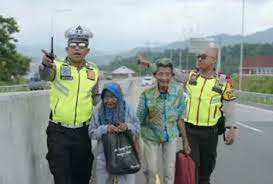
column 73, row 83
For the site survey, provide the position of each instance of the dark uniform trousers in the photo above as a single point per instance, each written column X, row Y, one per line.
column 69, row 154
column 203, row 142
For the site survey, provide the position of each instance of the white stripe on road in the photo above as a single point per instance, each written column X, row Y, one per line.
column 255, row 108
column 249, row 127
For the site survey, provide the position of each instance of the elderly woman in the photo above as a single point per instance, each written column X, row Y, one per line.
column 113, row 115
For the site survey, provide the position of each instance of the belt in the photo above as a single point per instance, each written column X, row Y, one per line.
column 189, row 125
column 66, row 125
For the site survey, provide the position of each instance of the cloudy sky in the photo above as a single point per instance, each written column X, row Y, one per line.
column 124, row 24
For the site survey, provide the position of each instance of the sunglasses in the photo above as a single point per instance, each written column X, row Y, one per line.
column 81, row 45
column 203, row 56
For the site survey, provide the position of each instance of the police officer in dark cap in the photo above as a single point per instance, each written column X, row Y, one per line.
column 74, row 84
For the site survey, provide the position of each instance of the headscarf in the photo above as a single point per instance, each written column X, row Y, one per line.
column 112, row 115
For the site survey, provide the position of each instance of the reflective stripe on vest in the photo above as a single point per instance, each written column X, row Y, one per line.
column 204, row 100
column 71, row 93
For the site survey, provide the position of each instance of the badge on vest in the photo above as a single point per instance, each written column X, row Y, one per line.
column 193, row 79
column 91, row 74
column 219, row 84
column 66, row 73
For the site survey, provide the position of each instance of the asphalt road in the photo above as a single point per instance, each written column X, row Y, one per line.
column 250, row 159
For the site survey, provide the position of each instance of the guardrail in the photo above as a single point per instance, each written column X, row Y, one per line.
column 262, row 98
column 24, row 87
column 14, row 88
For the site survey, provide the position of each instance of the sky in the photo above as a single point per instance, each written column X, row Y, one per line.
column 125, row 24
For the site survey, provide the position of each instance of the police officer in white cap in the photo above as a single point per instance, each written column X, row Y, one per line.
column 74, row 83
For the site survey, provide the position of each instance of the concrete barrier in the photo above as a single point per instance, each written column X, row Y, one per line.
column 23, row 120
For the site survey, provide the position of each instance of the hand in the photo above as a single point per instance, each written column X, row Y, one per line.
column 112, row 129
column 142, row 61
column 122, row 127
column 186, row 147
column 47, row 61
column 230, row 136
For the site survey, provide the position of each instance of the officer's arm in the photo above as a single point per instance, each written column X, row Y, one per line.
column 229, row 111
column 96, row 94
column 229, row 105
column 180, row 77
column 47, row 73
column 47, row 69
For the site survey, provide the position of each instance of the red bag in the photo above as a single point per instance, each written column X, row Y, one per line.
column 184, row 169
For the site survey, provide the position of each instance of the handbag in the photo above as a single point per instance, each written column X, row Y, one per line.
column 120, row 153
column 184, row 169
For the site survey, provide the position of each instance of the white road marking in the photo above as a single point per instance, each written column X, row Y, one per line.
column 249, row 127
column 255, row 108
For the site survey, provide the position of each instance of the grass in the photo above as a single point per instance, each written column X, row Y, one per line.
column 11, row 83
column 257, row 84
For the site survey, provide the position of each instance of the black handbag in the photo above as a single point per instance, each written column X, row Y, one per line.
column 120, row 153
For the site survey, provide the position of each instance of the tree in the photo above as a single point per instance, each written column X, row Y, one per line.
column 12, row 64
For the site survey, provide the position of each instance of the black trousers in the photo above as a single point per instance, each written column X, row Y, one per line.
column 69, row 154
column 203, row 143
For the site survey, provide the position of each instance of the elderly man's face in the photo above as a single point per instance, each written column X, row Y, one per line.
column 163, row 76
column 207, row 59
column 77, row 51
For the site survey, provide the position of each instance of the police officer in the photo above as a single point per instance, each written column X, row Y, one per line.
column 73, row 86
column 210, row 106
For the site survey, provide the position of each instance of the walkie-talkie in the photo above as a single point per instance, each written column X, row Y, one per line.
column 51, row 54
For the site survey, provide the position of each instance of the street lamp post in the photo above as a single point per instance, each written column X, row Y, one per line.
column 242, row 45
column 219, row 62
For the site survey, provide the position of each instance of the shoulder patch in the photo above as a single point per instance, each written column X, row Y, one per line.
column 193, row 78
column 91, row 65
column 229, row 80
column 91, row 74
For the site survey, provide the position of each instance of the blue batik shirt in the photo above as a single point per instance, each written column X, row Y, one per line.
column 158, row 113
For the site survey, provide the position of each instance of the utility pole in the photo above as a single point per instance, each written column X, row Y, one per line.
column 219, row 62
column 242, row 46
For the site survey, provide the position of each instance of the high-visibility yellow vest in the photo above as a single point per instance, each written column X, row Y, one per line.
column 71, row 92
column 204, row 99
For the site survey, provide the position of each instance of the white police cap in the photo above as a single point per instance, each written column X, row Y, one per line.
column 78, row 33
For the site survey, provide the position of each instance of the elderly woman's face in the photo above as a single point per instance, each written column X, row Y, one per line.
column 110, row 100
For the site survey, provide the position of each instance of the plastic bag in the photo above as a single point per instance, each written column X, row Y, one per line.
column 120, row 153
